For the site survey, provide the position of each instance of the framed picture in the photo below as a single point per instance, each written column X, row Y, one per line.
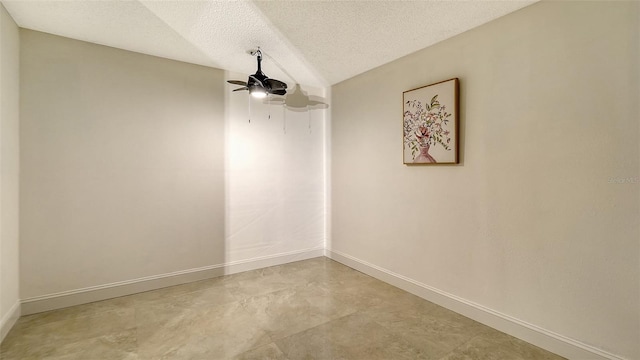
column 430, row 123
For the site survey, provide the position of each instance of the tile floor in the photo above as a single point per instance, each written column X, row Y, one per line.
column 312, row 309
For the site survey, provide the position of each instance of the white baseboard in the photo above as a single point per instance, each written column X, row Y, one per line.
column 556, row 343
column 9, row 319
column 108, row 291
column 548, row 340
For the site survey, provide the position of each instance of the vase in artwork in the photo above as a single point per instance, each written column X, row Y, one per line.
column 423, row 156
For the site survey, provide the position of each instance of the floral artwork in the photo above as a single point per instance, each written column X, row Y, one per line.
column 430, row 122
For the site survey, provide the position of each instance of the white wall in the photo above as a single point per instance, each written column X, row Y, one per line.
column 540, row 221
column 135, row 167
column 9, row 169
column 275, row 181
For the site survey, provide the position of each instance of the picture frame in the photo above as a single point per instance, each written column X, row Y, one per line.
column 430, row 122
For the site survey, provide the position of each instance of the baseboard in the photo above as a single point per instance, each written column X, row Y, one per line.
column 556, row 343
column 9, row 319
column 108, row 291
column 548, row 340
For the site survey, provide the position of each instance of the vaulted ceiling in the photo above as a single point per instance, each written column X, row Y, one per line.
column 315, row 43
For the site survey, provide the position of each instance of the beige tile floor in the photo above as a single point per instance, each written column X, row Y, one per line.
column 312, row 309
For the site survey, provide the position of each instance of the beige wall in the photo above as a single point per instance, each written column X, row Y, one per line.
column 539, row 222
column 9, row 169
column 122, row 157
column 135, row 167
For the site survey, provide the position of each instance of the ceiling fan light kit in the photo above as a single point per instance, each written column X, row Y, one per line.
column 258, row 92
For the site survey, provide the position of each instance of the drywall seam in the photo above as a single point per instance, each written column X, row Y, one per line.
column 533, row 334
column 10, row 318
column 64, row 299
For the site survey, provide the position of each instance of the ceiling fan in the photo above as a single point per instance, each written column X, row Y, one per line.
column 258, row 84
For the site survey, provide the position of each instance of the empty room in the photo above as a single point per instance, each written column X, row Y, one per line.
column 319, row 180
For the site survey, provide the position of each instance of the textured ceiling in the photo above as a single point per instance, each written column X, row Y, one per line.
column 316, row 43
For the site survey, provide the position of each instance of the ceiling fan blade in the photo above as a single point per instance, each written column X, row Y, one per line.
column 276, row 84
column 237, row 82
column 242, row 88
column 278, row 92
